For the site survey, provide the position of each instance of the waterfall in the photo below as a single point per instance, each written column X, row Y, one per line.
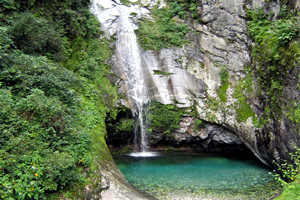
column 127, row 59
column 137, row 68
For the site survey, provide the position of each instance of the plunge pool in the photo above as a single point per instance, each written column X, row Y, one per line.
column 198, row 176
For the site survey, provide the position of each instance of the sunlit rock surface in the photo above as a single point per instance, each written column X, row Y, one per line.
column 167, row 81
column 190, row 75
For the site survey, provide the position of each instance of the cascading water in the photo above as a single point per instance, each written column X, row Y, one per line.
column 127, row 59
column 137, row 68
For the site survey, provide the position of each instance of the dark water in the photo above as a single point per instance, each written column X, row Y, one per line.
column 182, row 176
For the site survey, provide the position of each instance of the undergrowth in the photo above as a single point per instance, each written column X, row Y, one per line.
column 163, row 118
column 275, row 53
column 54, row 95
column 164, row 32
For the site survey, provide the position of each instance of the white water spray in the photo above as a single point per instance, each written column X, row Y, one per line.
column 128, row 59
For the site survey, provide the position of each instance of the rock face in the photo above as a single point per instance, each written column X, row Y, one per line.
column 109, row 183
column 168, row 83
column 191, row 76
column 223, row 42
column 115, row 186
column 201, row 137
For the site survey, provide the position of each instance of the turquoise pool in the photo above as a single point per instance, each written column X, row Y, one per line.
column 198, row 176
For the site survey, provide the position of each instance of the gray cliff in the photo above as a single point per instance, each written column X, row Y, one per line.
column 190, row 76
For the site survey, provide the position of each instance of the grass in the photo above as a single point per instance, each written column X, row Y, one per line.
column 222, row 91
column 243, row 109
column 291, row 191
column 158, row 72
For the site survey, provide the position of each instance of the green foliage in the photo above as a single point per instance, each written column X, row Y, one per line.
column 77, row 22
column 36, row 36
column 162, row 33
column 199, row 124
column 288, row 171
column 125, row 2
column 241, row 92
column 120, row 126
column 294, row 115
column 38, row 145
column 244, row 111
column 213, row 104
column 120, row 122
column 5, row 41
column 211, row 116
column 8, row 5
column 222, row 91
column 163, row 118
column 275, row 53
column 185, row 8
column 125, row 125
column 52, row 119
column 224, row 75
column 158, row 72
column 24, row 72
column 291, row 191
column 16, row 5
column 12, row 5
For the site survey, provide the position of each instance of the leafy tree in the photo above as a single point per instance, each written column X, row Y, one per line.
column 50, row 111
column 36, row 36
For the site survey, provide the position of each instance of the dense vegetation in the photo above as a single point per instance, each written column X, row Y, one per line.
column 163, row 118
column 185, row 9
column 166, row 31
column 54, row 93
column 163, row 32
column 276, row 53
column 243, row 109
column 120, row 127
column 289, row 177
column 54, row 96
column 224, row 76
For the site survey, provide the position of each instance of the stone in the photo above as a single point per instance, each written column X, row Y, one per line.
column 176, row 85
column 191, row 77
column 152, row 3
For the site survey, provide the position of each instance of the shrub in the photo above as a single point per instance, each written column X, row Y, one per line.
column 32, row 36
column 5, row 41
column 185, row 8
column 286, row 172
column 162, row 33
column 163, row 118
column 43, row 149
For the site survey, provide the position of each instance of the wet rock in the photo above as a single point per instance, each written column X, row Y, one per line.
column 191, row 77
